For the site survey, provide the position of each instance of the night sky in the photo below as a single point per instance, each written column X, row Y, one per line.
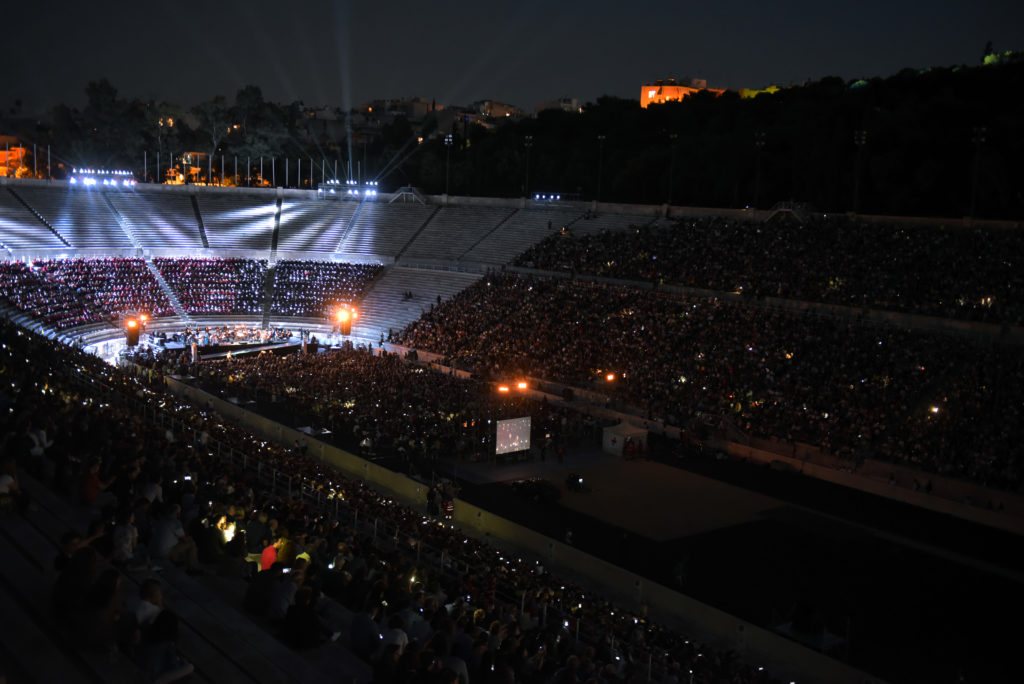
column 522, row 52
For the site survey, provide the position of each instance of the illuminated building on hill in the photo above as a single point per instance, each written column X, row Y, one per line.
column 670, row 90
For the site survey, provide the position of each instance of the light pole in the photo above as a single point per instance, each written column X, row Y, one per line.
column 759, row 146
column 527, row 143
column 600, row 163
column 671, row 163
column 978, row 139
column 860, row 138
column 447, row 162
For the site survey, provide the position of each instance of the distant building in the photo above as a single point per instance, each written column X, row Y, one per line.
column 670, row 90
column 566, row 104
column 411, row 108
column 12, row 156
column 497, row 110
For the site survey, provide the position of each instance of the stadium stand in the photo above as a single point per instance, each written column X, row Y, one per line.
column 451, row 229
column 933, row 400
column 237, row 220
column 216, row 286
column 21, row 229
column 80, row 215
column 954, row 272
column 314, row 226
column 382, row 230
column 159, row 219
column 388, row 306
column 522, row 230
column 310, row 288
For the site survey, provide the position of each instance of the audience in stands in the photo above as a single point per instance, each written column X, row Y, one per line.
column 315, row 288
column 955, row 272
column 215, row 285
column 947, row 404
column 461, row 605
column 70, row 292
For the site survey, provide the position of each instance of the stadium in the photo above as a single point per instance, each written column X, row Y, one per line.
column 762, row 445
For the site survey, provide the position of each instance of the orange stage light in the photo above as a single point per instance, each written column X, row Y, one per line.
column 503, row 388
column 521, row 385
column 143, row 317
column 343, row 315
column 610, row 377
column 132, row 323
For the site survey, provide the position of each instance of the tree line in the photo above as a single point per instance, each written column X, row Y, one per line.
column 932, row 142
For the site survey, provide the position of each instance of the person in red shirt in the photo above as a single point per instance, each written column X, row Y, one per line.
column 94, row 490
column 269, row 555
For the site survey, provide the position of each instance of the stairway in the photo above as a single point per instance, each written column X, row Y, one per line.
column 268, row 291
column 122, row 221
column 171, row 296
column 415, row 235
column 199, row 222
column 38, row 216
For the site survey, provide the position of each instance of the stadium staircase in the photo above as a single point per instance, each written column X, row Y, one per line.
column 519, row 231
column 349, row 225
column 269, row 280
column 277, row 232
column 419, row 230
column 199, row 222
column 172, row 297
column 39, row 216
column 385, row 306
column 488, row 234
column 122, row 221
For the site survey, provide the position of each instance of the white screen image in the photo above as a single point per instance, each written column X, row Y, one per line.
column 513, row 435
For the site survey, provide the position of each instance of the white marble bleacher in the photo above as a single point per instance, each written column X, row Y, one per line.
column 452, row 230
column 237, row 220
column 21, row 229
column 384, row 229
column 386, row 308
column 313, row 225
column 79, row 214
column 159, row 220
column 524, row 229
column 607, row 222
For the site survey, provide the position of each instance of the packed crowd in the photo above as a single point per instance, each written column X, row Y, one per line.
column 475, row 614
column 382, row 405
column 942, row 403
column 51, row 303
column 965, row 273
column 215, row 285
column 70, row 292
column 313, row 288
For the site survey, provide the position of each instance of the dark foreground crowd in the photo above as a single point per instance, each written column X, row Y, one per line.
column 429, row 603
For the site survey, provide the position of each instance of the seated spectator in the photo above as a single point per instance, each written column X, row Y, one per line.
column 11, row 495
column 96, row 491
column 157, row 652
column 171, row 542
